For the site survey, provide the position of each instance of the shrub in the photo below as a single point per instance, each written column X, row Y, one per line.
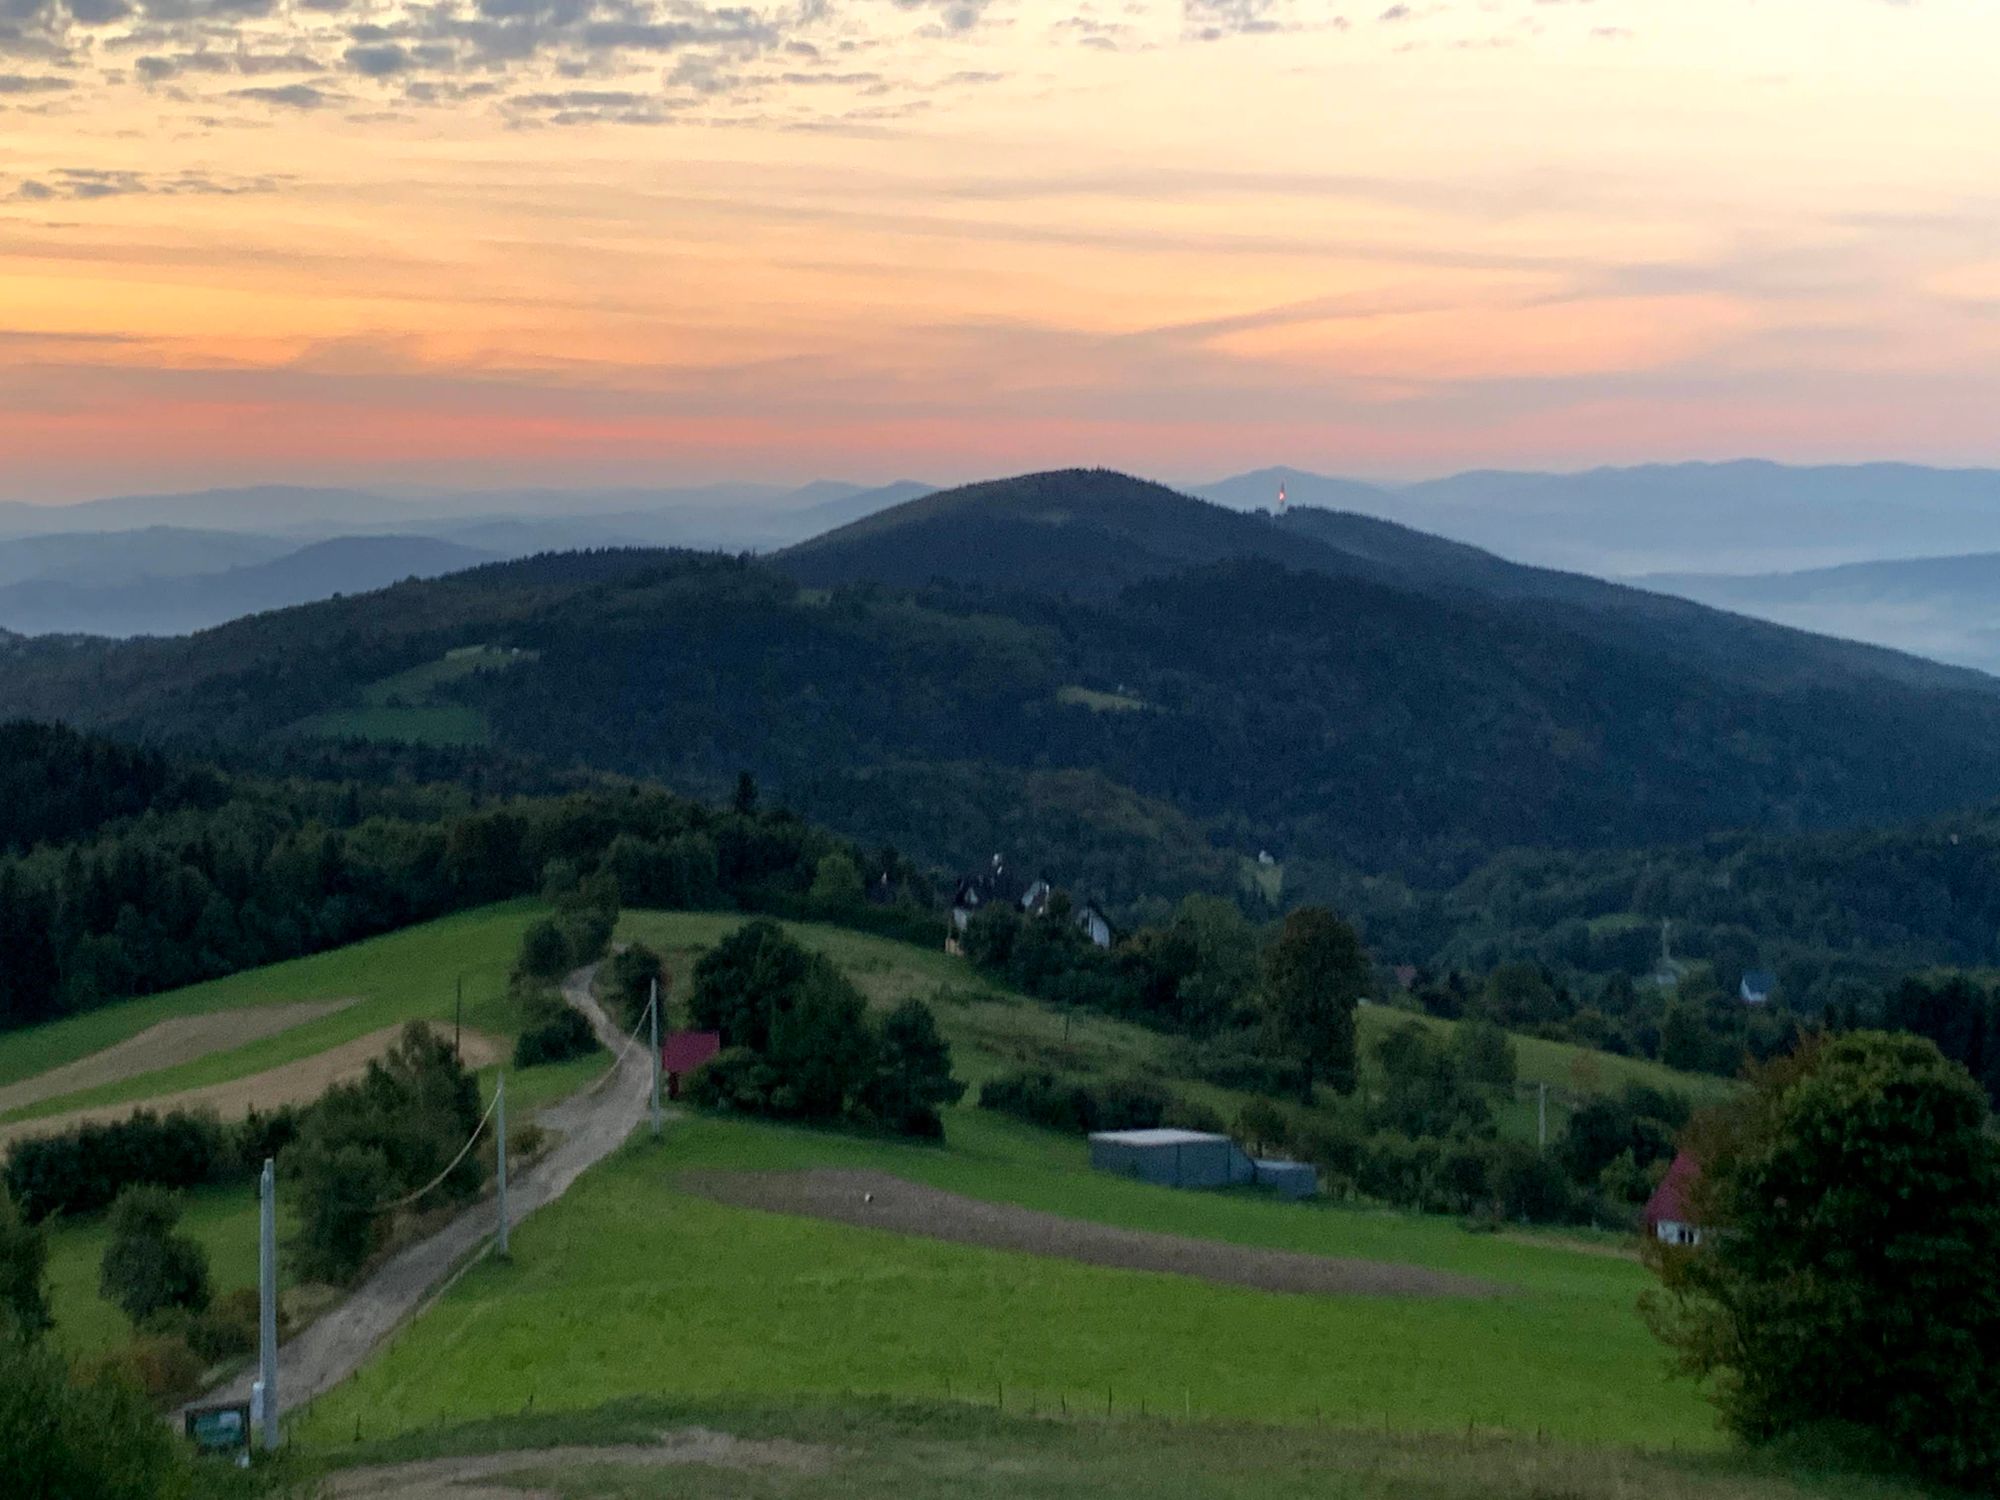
column 1851, row 1207
column 1244, row 1070
column 1265, row 1126
column 24, row 1260
column 147, row 1267
column 629, row 981
column 215, row 1335
column 161, row 1366
column 1531, row 1185
column 557, row 1033
column 1191, row 1114
column 912, row 1073
column 340, row 1190
column 1484, row 1054
column 836, row 887
column 84, row 1168
column 1040, row 1098
column 544, row 951
column 1332, row 1146
column 93, row 1435
column 368, row 1143
column 1128, row 1104
column 526, row 1141
column 1055, row 1103
column 736, row 1079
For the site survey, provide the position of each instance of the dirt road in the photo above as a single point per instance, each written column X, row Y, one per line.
column 592, row 1124
column 487, row 1475
column 876, row 1200
column 166, row 1044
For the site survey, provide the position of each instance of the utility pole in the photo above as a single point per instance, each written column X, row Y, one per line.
column 655, row 1009
column 267, row 1301
column 500, row 1147
column 1542, row 1118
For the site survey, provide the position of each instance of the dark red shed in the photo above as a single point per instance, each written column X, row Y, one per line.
column 684, row 1051
column 1668, row 1213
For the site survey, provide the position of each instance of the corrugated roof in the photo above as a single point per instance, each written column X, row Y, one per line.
column 1159, row 1138
column 684, row 1051
column 1669, row 1203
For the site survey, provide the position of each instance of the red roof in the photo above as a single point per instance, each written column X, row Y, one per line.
column 1669, row 1203
column 684, row 1051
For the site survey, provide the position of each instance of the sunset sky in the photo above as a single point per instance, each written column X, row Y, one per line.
column 474, row 242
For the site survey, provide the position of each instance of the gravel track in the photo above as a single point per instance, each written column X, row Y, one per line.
column 486, row 1474
column 876, row 1200
column 592, row 1124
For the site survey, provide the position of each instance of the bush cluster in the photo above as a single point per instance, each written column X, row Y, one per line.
column 84, row 1168
column 1078, row 1106
column 368, row 1143
column 798, row 1043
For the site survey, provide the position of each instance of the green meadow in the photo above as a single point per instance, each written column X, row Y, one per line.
column 409, row 975
column 630, row 1287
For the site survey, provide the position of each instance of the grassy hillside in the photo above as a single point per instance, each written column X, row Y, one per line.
column 996, row 1031
column 412, row 975
column 631, row 1287
column 408, row 975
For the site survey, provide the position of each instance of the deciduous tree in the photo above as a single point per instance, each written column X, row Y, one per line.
column 1314, row 972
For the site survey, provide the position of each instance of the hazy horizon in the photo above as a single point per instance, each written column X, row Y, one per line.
column 598, row 241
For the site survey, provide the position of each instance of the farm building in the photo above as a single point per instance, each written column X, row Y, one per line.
column 998, row 886
column 1757, row 988
column 1668, row 1215
column 1194, row 1159
column 684, row 1051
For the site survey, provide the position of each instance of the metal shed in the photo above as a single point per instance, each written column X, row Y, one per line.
column 1288, row 1179
column 1172, row 1158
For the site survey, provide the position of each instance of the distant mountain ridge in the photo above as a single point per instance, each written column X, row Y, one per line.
column 1108, row 670
column 183, row 605
column 1092, row 533
column 1655, row 518
column 1945, row 608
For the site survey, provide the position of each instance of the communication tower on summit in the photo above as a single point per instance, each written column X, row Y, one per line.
column 1281, row 499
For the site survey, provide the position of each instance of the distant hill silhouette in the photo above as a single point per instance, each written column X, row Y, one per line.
column 1091, row 533
column 1334, row 688
column 182, row 605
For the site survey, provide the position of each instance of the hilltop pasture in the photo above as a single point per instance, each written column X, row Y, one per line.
column 640, row 1284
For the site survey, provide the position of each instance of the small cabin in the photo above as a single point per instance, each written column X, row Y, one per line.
column 684, row 1051
column 1669, row 1214
column 1757, row 987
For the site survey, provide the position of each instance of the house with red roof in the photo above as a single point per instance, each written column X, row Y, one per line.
column 1669, row 1213
column 684, row 1051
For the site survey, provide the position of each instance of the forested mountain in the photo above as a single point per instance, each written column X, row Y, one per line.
column 1088, row 534
column 1342, row 692
column 56, row 784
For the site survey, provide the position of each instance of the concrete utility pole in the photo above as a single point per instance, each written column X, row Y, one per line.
column 1542, row 1118
column 655, row 1008
column 500, row 1149
column 267, row 1300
